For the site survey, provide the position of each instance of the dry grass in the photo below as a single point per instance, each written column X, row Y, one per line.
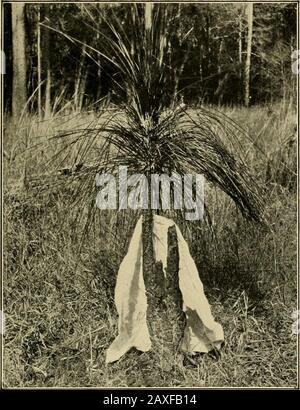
column 58, row 291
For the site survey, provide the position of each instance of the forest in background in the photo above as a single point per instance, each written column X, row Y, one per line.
column 236, row 54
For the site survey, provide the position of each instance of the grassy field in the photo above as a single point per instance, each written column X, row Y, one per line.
column 58, row 289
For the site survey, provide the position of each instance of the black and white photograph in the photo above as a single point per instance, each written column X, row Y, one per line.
column 149, row 195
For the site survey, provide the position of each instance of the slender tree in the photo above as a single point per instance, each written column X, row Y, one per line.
column 153, row 136
column 19, row 94
column 240, row 55
column 149, row 135
column 39, row 62
column 249, row 13
column 148, row 255
column 80, row 82
column 47, row 68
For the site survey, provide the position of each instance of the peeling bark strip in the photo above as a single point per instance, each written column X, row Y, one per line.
column 135, row 301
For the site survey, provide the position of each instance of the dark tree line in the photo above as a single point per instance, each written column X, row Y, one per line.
column 219, row 53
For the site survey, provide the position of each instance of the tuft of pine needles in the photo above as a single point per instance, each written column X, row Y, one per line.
column 151, row 132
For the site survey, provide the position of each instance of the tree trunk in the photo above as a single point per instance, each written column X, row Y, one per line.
column 99, row 72
column 39, row 63
column 249, row 12
column 178, row 74
column 154, row 278
column 148, row 257
column 240, row 45
column 80, row 82
column 207, row 44
column 148, row 15
column 219, row 92
column 48, row 95
column 47, row 71
column 19, row 96
column 178, row 71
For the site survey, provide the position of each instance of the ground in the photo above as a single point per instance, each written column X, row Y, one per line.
column 58, row 289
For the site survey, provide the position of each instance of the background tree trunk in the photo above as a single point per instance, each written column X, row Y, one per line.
column 99, row 72
column 19, row 95
column 47, row 70
column 240, row 45
column 249, row 12
column 80, row 82
column 39, row 63
column 48, row 94
column 219, row 92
